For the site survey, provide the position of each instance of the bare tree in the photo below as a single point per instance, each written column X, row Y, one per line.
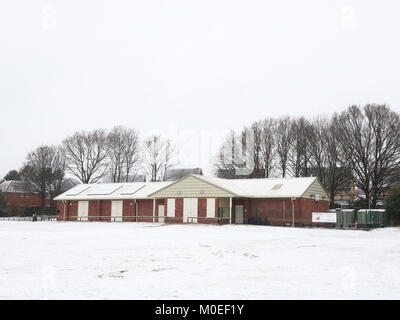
column 57, row 174
column 169, row 154
column 299, row 154
column 327, row 162
column 318, row 150
column 43, row 172
column 236, row 157
column 283, row 133
column 370, row 142
column 260, row 156
column 255, row 154
column 86, row 154
column 224, row 162
column 132, row 152
column 158, row 156
column 268, row 145
column 123, row 153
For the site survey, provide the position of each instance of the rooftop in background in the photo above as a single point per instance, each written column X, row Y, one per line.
column 131, row 178
column 69, row 183
column 177, row 174
column 14, row 186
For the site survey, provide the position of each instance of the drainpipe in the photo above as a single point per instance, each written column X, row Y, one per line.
column 292, row 200
column 230, row 210
column 64, row 209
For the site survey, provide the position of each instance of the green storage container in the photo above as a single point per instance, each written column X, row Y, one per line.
column 373, row 218
column 347, row 217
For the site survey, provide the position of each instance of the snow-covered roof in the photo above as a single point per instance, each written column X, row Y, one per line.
column 264, row 187
column 112, row 191
column 246, row 188
column 14, row 186
column 258, row 188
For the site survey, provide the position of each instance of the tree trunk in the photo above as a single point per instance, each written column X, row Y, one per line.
column 332, row 200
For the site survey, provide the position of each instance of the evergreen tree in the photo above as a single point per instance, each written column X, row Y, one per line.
column 392, row 205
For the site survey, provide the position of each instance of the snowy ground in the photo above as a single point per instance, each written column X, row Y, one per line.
column 69, row 260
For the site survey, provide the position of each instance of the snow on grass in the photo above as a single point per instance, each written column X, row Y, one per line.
column 70, row 260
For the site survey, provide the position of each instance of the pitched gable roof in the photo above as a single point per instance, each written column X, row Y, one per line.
column 257, row 188
column 112, row 191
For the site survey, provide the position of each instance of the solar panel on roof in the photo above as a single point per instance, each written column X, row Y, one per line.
column 103, row 190
column 277, row 186
column 129, row 190
column 77, row 190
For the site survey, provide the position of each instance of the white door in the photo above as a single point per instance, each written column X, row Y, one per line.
column 171, row 208
column 161, row 213
column 190, row 210
column 116, row 211
column 239, row 214
column 210, row 208
column 83, row 210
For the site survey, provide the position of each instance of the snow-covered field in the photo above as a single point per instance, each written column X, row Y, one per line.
column 69, row 260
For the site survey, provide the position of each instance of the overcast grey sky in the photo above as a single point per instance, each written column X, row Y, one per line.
column 191, row 69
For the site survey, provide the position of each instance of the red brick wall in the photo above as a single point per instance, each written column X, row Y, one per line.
column 71, row 210
column 306, row 207
column 145, row 208
column 60, row 210
column 178, row 212
column 94, row 210
column 202, row 210
column 129, row 210
column 28, row 200
column 279, row 211
column 105, row 210
column 268, row 211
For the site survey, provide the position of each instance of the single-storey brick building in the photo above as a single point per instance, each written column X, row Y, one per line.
column 19, row 195
column 198, row 199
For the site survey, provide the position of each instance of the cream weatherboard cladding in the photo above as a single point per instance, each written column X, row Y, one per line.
column 192, row 187
column 316, row 189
